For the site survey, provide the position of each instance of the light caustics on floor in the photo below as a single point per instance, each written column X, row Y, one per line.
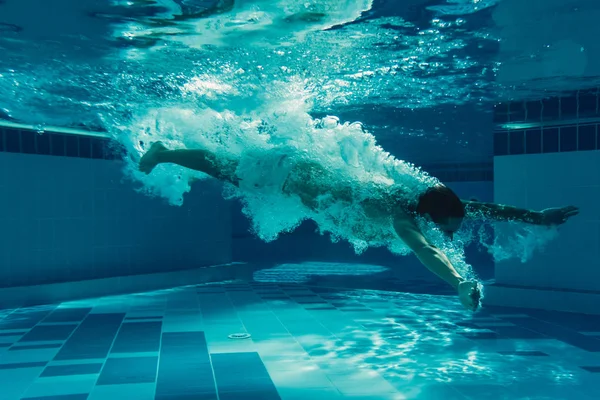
column 307, row 342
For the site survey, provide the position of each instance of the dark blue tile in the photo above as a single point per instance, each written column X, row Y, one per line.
column 517, row 111
column 598, row 137
column 67, row 315
column 550, row 140
column 558, row 332
column 138, row 337
column 322, row 308
column 42, row 143
column 268, row 394
column 568, row 106
column 568, row 138
column 71, row 146
column 1, row 139
column 500, row 143
column 28, row 142
column 48, row 332
column 93, row 338
column 12, row 141
column 524, row 353
column 534, row 111
column 187, row 396
column 98, row 145
column 235, row 372
column 82, row 396
column 118, row 371
column 13, row 333
column 139, row 318
column 73, row 369
column 480, row 335
column 586, row 137
column 551, row 109
column 57, row 144
column 517, row 142
column 23, row 365
column 595, row 370
column 533, row 141
column 588, row 102
column 501, row 113
column 85, row 147
column 185, row 369
column 572, row 321
column 2, row 345
column 36, row 347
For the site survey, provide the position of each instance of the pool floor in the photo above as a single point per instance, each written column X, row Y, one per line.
column 307, row 342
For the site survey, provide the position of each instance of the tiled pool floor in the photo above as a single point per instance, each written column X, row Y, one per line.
column 307, row 343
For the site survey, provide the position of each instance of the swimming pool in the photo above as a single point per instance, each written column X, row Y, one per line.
column 305, row 342
column 327, row 123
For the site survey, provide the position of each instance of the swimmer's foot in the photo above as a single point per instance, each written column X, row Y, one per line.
column 469, row 293
column 151, row 159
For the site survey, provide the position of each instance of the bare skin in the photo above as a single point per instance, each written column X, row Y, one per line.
column 469, row 292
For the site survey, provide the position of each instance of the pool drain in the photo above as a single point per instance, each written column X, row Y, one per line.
column 239, row 336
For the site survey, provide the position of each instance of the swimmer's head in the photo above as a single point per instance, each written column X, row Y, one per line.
column 443, row 207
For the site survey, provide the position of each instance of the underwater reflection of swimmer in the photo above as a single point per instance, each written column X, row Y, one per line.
column 310, row 181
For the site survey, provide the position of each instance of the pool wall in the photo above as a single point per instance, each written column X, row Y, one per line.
column 547, row 154
column 69, row 216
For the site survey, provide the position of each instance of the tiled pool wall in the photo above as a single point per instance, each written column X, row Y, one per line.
column 68, row 215
column 547, row 154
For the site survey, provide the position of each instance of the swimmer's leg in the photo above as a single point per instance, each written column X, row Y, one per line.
column 196, row 159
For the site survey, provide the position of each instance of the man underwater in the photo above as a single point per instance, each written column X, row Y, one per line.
column 311, row 181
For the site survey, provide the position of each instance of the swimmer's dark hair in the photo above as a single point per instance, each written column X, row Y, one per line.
column 440, row 203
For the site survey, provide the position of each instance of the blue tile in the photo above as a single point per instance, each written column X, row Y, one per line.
column 23, row 320
column 187, row 396
column 98, row 148
column 558, row 332
column 551, row 109
column 28, row 142
column 185, row 370
column 82, row 396
column 586, row 137
column 480, row 335
column 138, row 337
column 534, row 111
column 73, row 369
column 533, row 141
column 23, row 365
column 12, row 141
column 67, row 315
column 568, row 138
column 48, row 332
column 568, row 107
column 517, row 332
column 236, row 372
column 93, row 338
column 5, row 345
column 500, row 143
column 550, row 140
column 127, row 370
column 36, row 347
column 517, row 142
column 140, row 318
column 1, row 139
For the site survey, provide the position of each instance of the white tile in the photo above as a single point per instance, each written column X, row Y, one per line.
column 301, row 377
column 307, row 393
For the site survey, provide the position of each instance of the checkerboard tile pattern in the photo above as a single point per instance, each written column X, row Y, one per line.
column 307, row 342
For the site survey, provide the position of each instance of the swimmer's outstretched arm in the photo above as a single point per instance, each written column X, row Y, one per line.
column 499, row 212
column 435, row 260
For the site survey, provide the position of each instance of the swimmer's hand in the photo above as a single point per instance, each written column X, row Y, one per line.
column 469, row 294
column 558, row 216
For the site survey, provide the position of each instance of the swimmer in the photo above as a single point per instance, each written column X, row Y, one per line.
column 439, row 204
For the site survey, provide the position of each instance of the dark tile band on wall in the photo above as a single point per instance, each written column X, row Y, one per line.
column 25, row 141
column 555, row 139
column 569, row 106
column 464, row 172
